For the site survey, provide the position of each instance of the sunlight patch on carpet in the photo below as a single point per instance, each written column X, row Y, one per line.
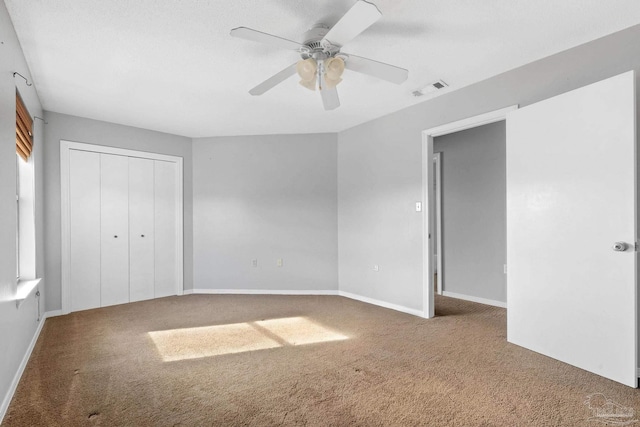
column 208, row 341
column 300, row 331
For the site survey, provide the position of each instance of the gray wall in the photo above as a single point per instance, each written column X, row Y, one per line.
column 380, row 164
column 379, row 181
column 71, row 128
column 17, row 325
column 264, row 198
column 275, row 196
column 474, row 197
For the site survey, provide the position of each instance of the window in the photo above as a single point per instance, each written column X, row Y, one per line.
column 25, row 209
column 18, row 217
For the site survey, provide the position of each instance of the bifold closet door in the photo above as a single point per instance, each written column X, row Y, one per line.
column 141, row 223
column 114, row 172
column 84, row 229
column 165, row 217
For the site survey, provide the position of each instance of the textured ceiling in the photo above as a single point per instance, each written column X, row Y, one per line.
column 171, row 66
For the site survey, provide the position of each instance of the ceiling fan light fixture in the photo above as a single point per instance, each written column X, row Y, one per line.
column 333, row 68
column 307, row 69
column 309, row 84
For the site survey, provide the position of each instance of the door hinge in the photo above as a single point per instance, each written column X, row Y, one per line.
column 635, row 246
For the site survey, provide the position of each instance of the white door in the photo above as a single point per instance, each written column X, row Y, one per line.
column 571, row 190
column 141, row 237
column 166, row 220
column 114, row 227
column 84, row 229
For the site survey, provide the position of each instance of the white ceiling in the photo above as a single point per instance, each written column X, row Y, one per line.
column 171, row 66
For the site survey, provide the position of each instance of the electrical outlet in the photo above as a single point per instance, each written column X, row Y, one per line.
column 254, row 262
column 376, row 268
column 279, row 262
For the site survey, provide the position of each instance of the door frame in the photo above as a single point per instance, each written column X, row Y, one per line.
column 65, row 149
column 428, row 195
column 437, row 160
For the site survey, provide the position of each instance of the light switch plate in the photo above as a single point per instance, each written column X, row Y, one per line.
column 418, row 206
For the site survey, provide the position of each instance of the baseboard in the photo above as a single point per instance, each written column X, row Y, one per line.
column 475, row 299
column 52, row 313
column 304, row 292
column 23, row 363
column 259, row 292
column 384, row 304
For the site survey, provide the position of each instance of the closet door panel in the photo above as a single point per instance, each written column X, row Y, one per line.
column 84, row 229
column 141, row 238
column 165, row 225
column 115, row 229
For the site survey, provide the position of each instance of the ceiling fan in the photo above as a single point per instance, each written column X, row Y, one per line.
column 322, row 62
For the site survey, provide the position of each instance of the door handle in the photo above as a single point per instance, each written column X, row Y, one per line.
column 620, row 246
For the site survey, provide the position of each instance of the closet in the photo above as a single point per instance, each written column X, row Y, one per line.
column 123, row 226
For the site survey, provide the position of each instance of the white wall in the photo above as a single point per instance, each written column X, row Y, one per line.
column 264, row 198
column 380, row 164
column 17, row 325
column 474, row 209
column 71, row 128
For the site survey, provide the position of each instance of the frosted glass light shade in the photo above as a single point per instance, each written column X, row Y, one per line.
column 309, row 84
column 307, row 69
column 333, row 69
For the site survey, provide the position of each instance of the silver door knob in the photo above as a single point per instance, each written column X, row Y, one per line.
column 620, row 246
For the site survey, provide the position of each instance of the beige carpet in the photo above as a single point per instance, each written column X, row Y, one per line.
column 231, row 360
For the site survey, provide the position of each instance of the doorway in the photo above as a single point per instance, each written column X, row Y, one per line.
column 470, row 215
column 429, row 195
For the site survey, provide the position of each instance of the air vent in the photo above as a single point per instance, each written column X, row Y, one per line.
column 433, row 87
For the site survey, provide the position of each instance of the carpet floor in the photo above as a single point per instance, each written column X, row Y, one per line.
column 243, row 360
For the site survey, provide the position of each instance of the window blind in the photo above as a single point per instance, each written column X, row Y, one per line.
column 24, row 134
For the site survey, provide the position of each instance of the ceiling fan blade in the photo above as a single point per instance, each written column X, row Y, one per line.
column 274, row 80
column 383, row 71
column 260, row 37
column 357, row 19
column 330, row 98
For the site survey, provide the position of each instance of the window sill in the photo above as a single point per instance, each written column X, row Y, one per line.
column 24, row 289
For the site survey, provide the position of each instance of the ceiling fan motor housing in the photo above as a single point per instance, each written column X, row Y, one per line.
column 313, row 46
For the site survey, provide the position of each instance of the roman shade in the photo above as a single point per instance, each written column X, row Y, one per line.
column 24, row 134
